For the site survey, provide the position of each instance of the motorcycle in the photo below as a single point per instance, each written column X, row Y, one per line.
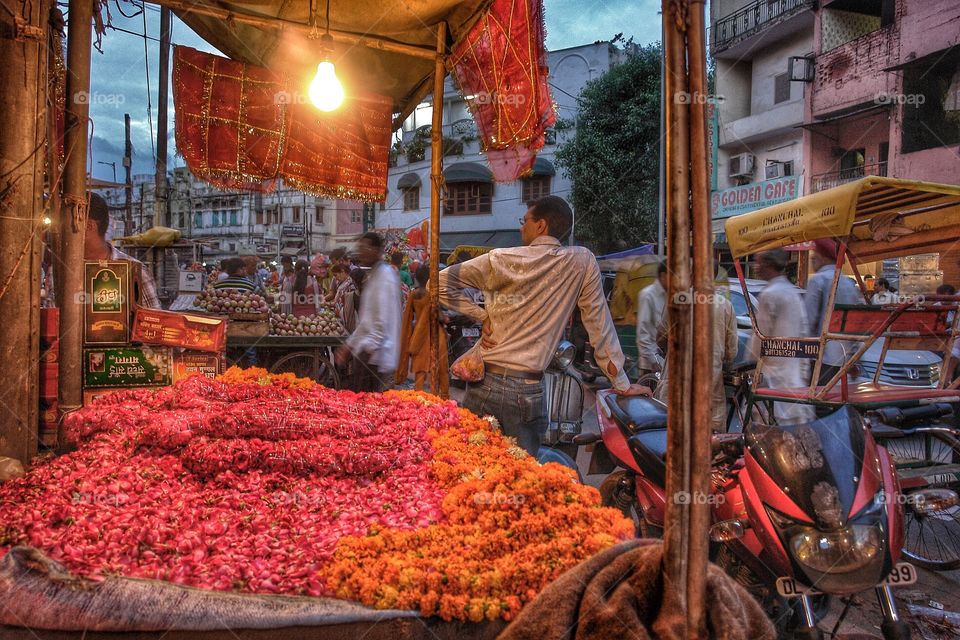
column 563, row 395
column 801, row 512
column 463, row 333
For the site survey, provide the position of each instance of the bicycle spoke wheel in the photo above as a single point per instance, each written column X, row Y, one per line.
column 306, row 364
column 929, row 460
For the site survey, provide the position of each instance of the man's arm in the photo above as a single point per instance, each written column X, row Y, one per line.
column 148, row 290
column 599, row 325
column 812, row 301
column 466, row 275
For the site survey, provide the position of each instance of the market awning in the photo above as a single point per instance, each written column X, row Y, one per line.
column 879, row 217
column 467, row 172
column 543, row 167
column 408, row 181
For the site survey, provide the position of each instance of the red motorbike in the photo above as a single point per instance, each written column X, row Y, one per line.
column 800, row 512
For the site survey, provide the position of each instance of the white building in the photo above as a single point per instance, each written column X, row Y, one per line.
column 761, row 49
column 478, row 211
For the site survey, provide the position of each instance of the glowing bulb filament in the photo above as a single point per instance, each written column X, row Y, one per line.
column 326, row 92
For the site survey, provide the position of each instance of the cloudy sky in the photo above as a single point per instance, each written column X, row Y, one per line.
column 119, row 74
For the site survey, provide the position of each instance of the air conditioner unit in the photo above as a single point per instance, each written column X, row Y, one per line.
column 741, row 165
column 774, row 170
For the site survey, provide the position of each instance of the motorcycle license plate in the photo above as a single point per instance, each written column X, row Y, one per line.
column 903, row 574
column 471, row 332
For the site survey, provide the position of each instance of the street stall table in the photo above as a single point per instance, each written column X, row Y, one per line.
column 304, row 356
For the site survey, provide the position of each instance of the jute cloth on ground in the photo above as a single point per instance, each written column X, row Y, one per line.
column 619, row 595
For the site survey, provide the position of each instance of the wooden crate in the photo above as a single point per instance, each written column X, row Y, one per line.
column 239, row 329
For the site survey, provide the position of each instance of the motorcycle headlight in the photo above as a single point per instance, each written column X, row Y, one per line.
column 843, row 551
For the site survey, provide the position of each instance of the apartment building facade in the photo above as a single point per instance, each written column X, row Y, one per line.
column 229, row 223
column 477, row 211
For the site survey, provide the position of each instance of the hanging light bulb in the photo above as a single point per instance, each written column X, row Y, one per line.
column 326, row 92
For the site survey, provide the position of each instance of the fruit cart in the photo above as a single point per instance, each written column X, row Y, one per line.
column 305, row 356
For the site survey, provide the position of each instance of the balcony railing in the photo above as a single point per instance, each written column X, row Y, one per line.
column 752, row 19
column 823, row 181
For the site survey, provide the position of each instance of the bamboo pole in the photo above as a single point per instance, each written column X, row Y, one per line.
column 436, row 192
column 702, row 383
column 22, row 76
column 676, row 532
column 74, row 217
column 280, row 24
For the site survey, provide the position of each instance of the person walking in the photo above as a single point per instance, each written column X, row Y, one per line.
column 651, row 302
column 815, row 302
column 415, row 339
column 530, row 293
column 780, row 313
column 375, row 342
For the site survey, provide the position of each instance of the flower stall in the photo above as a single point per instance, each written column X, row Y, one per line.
column 215, row 492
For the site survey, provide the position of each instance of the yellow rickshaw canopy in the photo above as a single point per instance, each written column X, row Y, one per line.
column 878, row 217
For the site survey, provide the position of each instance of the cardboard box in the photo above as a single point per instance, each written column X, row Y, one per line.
column 187, row 363
column 241, row 329
column 172, row 329
column 127, row 367
column 106, row 303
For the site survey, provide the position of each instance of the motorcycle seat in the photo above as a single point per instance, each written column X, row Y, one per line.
column 649, row 448
column 637, row 413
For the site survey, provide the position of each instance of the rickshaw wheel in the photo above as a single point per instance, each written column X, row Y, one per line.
column 930, row 541
column 307, row 364
column 616, row 491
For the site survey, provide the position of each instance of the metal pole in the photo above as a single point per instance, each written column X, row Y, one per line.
column 436, row 191
column 661, row 189
column 703, row 309
column 75, row 202
column 160, row 197
column 22, row 108
column 128, row 181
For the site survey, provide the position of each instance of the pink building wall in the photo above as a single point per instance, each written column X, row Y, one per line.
column 851, row 78
column 345, row 209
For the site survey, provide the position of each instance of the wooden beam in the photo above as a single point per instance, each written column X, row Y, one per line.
column 436, row 192
column 75, row 204
column 280, row 24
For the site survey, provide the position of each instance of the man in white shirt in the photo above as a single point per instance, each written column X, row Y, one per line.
column 530, row 293
column 651, row 302
column 815, row 302
column 375, row 343
column 780, row 313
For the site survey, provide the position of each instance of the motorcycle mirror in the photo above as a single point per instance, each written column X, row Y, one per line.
column 927, row 502
column 564, row 355
column 726, row 531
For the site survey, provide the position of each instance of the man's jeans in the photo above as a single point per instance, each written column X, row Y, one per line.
column 518, row 405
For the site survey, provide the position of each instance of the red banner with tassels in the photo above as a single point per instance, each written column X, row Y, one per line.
column 501, row 69
column 239, row 126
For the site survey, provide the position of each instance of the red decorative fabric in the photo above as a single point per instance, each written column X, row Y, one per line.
column 501, row 68
column 237, row 129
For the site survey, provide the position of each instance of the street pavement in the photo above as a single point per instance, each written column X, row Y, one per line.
column 931, row 606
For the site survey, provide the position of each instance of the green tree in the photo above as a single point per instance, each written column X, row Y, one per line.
column 613, row 158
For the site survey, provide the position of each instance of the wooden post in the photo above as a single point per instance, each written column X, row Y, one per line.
column 436, row 192
column 75, row 204
column 160, row 193
column 690, row 311
column 703, row 308
column 22, row 132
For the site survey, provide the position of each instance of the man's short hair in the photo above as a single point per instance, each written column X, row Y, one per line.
column 776, row 258
column 946, row 290
column 661, row 268
column 233, row 266
column 340, row 268
column 338, row 254
column 397, row 259
column 99, row 213
column 556, row 212
column 374, row 238
column 882, row 281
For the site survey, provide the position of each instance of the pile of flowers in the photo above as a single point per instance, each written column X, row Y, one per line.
column 272, row 484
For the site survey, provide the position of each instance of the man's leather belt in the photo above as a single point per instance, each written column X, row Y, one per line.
column 512, row 373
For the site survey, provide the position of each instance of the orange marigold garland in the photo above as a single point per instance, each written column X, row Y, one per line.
column 513, row 527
